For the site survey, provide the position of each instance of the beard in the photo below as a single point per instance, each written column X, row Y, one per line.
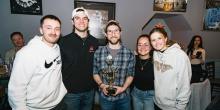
column 113, row 42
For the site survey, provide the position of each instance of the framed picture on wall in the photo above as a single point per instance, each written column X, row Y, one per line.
column 99, row 14
column 170, row 5
column 30, row 7
column 211, row 20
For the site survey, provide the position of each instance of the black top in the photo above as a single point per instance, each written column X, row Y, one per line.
column 144, row 77
column 77, row 62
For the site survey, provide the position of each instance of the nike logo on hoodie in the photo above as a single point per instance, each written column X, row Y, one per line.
column 48, row 65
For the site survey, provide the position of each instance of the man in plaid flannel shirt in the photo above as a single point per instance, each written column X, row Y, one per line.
column 123, row 62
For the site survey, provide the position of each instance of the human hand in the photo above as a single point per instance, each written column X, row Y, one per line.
column 119, row 90
column 104, row 87
column 193, row 56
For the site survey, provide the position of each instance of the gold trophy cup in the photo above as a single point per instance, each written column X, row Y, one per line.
column 109, row 74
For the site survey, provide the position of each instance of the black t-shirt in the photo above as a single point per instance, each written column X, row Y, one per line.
column 144, row 74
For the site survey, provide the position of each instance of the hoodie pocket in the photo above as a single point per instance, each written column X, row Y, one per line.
column 165, row 94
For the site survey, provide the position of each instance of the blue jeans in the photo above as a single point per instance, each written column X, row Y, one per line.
column 121, row 104
column 80, row 101
column 142, row 100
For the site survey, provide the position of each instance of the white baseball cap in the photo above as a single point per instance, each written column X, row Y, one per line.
column 79, row 9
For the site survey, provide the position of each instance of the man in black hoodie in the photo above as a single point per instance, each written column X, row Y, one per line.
column 77, row 50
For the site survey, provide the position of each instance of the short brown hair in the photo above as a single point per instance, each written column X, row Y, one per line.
column 112, row 22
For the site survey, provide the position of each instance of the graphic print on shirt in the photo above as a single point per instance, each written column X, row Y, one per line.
column 162, row 67
column 48, row 65
column 91, row 48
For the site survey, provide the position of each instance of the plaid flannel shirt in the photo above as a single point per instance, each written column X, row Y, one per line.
column 124, row 62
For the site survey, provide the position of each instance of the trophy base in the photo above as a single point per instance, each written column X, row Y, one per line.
column 111, row 91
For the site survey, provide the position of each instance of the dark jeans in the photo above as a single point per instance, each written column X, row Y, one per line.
column 121, row 104
column 60, row 106
column 80, row 101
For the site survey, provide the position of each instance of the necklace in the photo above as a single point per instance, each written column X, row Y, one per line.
column 142, row 64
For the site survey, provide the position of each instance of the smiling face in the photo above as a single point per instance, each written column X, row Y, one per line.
column 143, row 46
column 158, row 41
column 50, row 30
column 81, row 22
column 17, row 40
column 113, row 34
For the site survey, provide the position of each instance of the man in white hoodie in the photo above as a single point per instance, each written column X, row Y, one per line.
column 36, row 79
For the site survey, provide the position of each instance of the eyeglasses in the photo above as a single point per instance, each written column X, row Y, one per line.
column 116, row 31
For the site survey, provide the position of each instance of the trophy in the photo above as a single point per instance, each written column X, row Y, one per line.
column 109, row 74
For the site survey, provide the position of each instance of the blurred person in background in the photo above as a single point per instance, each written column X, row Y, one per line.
column 197, row 55
column 18, row 42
